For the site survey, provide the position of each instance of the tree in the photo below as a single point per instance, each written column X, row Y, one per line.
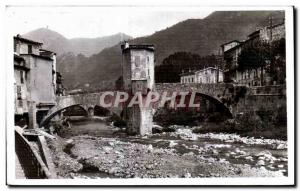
column 279, row 62
column 172, row 66
column 253, row 55
column 267, row 55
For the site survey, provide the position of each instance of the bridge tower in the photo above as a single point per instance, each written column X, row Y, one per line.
column 138, row 77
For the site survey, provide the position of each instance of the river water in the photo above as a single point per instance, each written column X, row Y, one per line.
column 257, row 155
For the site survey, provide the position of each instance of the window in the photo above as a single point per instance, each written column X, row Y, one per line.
column 143, row 74
column 29, row 49
column 22, row 77
column 137, row 61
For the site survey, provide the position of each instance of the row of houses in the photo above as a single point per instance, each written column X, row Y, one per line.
column 208, row 75
column 232, row 72
column 36, row 81
column 255, row 75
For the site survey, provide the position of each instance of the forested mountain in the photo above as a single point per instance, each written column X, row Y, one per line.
column 196, row 36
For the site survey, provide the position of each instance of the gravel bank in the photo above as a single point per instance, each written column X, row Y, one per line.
column 121, row 159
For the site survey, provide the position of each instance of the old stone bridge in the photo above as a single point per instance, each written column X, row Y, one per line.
column 232, row 99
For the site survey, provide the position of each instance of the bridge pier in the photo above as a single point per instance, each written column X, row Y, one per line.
column 32, row 115
column 90, row 112
column 140, row 120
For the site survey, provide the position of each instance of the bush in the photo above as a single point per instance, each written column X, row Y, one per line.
column 230, row 125
column 118, row 122
column 249, row 121
column 217, row 117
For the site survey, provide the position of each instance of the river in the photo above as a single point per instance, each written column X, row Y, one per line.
column 178, row 154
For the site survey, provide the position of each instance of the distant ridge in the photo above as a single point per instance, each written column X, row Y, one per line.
column 198, row 36
column 87, row 46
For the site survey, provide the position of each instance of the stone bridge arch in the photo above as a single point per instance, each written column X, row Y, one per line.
column 223, row 108
column 56, row 110
column 102, row 111
column 219, row 106
column 216, row 93
column 86, row 101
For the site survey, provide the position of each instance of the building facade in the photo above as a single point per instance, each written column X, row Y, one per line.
column 255, row 75
column 35, row 77
column 20, row 85
column 231, row 51
column 187, row 77
column 60, row 90
column 208, row 75
column 138, row 66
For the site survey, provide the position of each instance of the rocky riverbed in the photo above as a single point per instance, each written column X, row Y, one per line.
column 174, row 154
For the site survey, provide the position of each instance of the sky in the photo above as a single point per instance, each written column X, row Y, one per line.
column 91, row 22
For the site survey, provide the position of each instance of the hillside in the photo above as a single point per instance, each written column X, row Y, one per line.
column 87, row 46
column 75, row 56
column 197, row 36
column 51, row 40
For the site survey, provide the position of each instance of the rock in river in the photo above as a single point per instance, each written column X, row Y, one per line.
column 260, row 163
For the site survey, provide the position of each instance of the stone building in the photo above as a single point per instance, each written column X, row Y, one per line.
column 138, row 66
column 60, row 90
column 20, row 85
column 208, row 75
column 187, row 77
column 255, row 75
column 231, row 51
column 273, row 33
column 35, row 77
column 138, row 76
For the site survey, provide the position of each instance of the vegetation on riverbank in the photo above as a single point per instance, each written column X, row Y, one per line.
column 249, row 124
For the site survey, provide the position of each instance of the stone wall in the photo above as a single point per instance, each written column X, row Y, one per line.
column 278, row 32
column 237, row 98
